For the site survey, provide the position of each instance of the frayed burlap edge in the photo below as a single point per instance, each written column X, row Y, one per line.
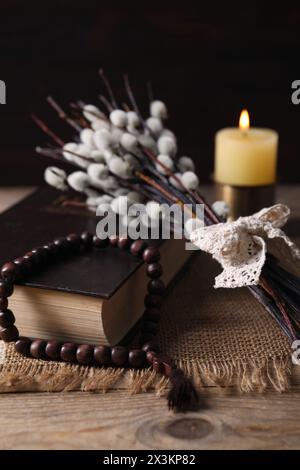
column 40, row 376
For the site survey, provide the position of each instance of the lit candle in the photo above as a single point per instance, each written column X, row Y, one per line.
column 246, row 156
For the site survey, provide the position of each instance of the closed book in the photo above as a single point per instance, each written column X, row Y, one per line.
column 94, row 297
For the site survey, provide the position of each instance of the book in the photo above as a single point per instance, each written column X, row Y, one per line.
column 95, row 297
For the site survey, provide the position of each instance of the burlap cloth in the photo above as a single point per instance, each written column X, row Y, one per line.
column 220, row 337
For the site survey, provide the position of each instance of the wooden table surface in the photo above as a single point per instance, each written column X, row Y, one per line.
column 78, row 420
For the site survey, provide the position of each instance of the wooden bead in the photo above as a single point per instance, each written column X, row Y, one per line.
column 9, row 271
column 54, row 249
column 152, row 300
column 123, row 242
column 152, row 314
column 6, row 288
column 68, row 352
column 37, row 349
column 151, row 254
column 22, row 346
column 150, row 346
column 7, row 318
column 62, row 245
column 53, row 350
column 150, row 356
column 99, row 242
column 87, row 240
column 150, row 327
column 113, row 240
column 85, row 354
column 156, row 286
column 102, row 355
column 9, row 334
column 3, row 303
column 74, row 241
column 38, row 255
column 138, row 247
column 119, row 355
column 154, row 270
column 23, row 264
column 30, row 260
column 137, row 358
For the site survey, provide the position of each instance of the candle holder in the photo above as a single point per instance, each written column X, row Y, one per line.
column 245, row 200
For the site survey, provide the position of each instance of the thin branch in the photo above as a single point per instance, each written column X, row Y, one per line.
column 108, row 88
column 46, row 130
column 62, row 114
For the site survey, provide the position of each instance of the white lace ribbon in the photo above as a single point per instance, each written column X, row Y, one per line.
column 241, row 246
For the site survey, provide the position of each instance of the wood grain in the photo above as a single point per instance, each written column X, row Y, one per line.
column 116, row 420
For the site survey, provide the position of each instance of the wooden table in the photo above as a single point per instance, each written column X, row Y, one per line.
column 77, row 420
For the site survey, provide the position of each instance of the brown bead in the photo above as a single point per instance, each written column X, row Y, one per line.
column 53, row 350
column 154, row 270
column 62, row 245
column 113, row 240
column 102, row 355
column 22, row 346
column 87, row 240
column 152, row 314
column 138, row 247
column 99, row 242
column 24, row 265
column 3, row 303
column 151, row 254
column 30, row 260
column 9, row 271
column 74, row 240
column 123, row 242
column 85, row 354
column 150, row 355
column 38, row 255
column 37, row 349
column 150, row 327
column 156, row 286
column 9, row 334
column 68, row 352
column 6, row 288
column 119, row 355
column 54, row 250
column 152, row 300
column 150, row 346
column 137, row 358
column 7, row 318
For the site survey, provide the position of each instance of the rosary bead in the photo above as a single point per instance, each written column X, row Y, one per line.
column 102, row 355
column 38, row 255
column 138, row 247
column 23, row 265
column 37, row 348
column 152, row 300
column 7, row 318
column 150, row 327
column 137, row 358
column 99, row 242
column 84, row 354
column 22, row 346
column 113, row 240
column 62, row 245
column 74, row 241
column 151, row 254
column 9, row 334
column 152, row 314
column 119, row 355
column 53, row 350
column 9, row 271
column 154, row 270
column 150, row 355
column 54, row 249
column 87, row 240
column 31, row 260
column 68, row 352
column 3, row 303
column 123, row 242
column 150, row 346
column 156, row 286
column 6, row 288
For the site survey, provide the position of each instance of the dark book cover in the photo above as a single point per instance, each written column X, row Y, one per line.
column 39, row 219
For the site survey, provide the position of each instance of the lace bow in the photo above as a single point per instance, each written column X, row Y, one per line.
column 241, row 246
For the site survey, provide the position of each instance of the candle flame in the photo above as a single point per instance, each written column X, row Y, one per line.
column 244, row 123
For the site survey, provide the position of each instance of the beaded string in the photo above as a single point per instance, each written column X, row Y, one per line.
column 182, row 392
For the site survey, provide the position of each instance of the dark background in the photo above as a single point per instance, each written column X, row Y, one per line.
column 206, row 62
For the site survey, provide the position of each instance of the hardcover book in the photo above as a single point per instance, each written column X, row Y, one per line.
column 94, row 297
